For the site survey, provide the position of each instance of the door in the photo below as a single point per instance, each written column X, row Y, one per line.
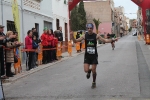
column 37, row 27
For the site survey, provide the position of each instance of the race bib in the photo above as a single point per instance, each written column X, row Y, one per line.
column 91, row 50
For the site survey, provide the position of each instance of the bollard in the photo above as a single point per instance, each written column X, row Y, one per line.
column 59, row 50
column 70, row 48
column 147, row 39
column 40, row 55
column 139, row 37
column 78, row 46
column 83, row 45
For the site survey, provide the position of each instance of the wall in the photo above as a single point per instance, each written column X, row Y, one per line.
column 104, row 27
column 98, row 9
column 28, row 16
column 60, row 11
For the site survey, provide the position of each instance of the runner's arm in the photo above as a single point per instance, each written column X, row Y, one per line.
column 106, row 40
column 79, row 39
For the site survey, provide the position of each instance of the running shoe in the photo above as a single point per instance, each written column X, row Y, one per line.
column 93, row 85
column 88, row 74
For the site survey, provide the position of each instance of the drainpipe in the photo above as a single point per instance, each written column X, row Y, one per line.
column 23, row 35
column 22, row 19
column 2, row 10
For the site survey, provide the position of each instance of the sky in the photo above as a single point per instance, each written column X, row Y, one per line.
column 129, row 7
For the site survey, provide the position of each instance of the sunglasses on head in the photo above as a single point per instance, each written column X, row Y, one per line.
column 90, row 28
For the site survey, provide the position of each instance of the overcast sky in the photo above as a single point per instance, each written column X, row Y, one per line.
column 129, row 7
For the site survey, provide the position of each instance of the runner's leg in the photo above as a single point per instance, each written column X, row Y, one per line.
column 94, row 75
column 87, row 70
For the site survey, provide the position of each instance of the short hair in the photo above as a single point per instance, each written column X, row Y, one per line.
column 29, row 31
column 33, row 28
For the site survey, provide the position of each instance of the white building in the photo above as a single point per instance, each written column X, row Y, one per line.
column 61, row 17
column 33, row 13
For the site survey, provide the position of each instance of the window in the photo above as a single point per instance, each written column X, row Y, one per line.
column 11, row 26
column 48, row 24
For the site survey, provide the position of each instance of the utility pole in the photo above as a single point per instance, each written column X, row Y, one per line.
column 2, row 10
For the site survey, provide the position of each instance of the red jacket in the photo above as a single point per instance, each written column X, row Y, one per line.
column 54, row 42
column 28, row 42
column 50, row 38
column 44, row 39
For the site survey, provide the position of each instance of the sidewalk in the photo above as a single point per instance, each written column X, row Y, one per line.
column 26, row 73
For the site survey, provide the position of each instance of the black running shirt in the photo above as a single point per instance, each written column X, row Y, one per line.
column 91, row 44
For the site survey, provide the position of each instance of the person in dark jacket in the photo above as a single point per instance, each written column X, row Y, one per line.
column 34, row 56
column 3, row 41
column 78, row 36
column 35, row 33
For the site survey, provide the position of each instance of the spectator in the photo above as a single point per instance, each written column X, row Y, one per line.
column 78, row 36
column 28, row 45
column 55, row 42
column 33, row 29
column 50, row 38
column 10, row 44
column 17, row 66
column 60, row 35
column 54, row 45
column 37, row 41
column 44, row 41
column 34, row 56
column 3, row 40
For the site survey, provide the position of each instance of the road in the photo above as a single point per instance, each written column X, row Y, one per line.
column 122, row 74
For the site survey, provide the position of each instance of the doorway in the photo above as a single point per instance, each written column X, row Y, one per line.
column 57, row 24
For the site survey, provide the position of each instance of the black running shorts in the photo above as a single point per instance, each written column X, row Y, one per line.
column 90, row 59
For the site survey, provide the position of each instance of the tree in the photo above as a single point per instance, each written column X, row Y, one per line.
column 96, row 22
column 82, row 16
column 74, row 19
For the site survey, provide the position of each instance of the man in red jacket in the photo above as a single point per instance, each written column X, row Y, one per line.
column 44, row 39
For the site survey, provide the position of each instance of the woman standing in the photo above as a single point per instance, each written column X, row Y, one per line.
column 10, row 45
column 28, row 45
column 50, row 38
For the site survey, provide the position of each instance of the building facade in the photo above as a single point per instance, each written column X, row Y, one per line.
column 102, row 10
column 139, row 20
column 121, row 24
column 32, row 13
column 61, row 17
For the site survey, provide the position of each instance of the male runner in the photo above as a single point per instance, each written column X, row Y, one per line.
column 91, row 55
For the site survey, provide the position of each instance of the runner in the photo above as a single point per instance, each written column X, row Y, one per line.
column 91, row 55
column 113, row 43
column 112, row 36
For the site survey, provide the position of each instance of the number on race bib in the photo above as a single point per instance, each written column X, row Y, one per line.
column 91, row 50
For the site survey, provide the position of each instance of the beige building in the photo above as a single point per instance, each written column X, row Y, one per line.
column 102, row 10
column 120, row 21
column 139, row 20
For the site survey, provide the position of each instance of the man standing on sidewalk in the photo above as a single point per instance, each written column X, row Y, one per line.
column 3, row 40
column 60, row 37
column 91, row 55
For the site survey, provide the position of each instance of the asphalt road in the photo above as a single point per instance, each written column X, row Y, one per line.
column 122, row 74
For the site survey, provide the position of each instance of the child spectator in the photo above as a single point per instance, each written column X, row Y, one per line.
column 35, row 46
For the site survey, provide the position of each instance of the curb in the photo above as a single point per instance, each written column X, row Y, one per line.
column 41, row 67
